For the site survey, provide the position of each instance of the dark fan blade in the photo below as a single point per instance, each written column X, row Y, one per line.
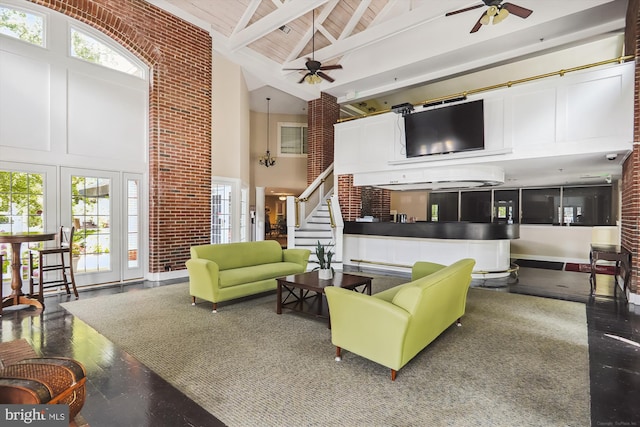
column 326, row 77
column 478, row 24
column 305, row 76
column 332, row 67
column 517, row 10
column 298, row 69
column 455, row 12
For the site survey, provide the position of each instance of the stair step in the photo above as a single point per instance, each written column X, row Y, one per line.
column 319, row 224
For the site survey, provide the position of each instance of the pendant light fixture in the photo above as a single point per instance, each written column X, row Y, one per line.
column 266, row 159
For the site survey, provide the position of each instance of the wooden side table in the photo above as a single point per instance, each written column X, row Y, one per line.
column 617, row 253
column 16, row 240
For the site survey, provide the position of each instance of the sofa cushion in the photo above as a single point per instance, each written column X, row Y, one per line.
column 238, row 276
column 236, row 255
column 411, row 294
column 408, row 297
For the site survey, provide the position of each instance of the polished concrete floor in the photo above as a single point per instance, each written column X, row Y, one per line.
column 123, row 392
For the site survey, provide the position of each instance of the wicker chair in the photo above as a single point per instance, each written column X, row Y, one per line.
column 61, row 381
column 41, row 380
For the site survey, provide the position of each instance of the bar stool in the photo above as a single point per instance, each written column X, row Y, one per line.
column 47, row 265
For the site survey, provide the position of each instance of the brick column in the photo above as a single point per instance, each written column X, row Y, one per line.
column 630, row 185
column 324, row 112
column 349, row 197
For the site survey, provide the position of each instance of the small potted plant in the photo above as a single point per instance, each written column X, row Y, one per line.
column 324, row 255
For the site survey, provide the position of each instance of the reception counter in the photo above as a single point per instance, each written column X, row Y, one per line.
column 435, row 230
column 396, row 246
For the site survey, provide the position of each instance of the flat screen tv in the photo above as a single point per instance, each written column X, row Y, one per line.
column 443, row 130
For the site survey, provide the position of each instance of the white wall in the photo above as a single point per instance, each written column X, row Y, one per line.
column 231, row 129
column 58, row 110
column 288, row 172
column 412, row 203
column 549, row 243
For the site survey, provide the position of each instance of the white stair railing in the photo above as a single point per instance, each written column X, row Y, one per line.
column 307, row 219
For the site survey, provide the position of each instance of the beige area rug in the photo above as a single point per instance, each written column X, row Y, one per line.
column 516, row 361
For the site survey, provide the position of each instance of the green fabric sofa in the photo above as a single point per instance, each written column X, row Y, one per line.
column 392, row 326
column 222, row 272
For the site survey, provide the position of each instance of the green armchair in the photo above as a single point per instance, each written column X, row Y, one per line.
column 393, row 326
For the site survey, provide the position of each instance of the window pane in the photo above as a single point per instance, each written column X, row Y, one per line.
column 22, row 25
column 446, row 207
column 507, row 208
column 132, row 223
column 305, row 140
column 290, row 142
column 221, row 226
column 86, row 47
column 21, row 209
column 475, row 206
column 91, row 208
column 293, row 139
column 587, row 205
column 541, row 206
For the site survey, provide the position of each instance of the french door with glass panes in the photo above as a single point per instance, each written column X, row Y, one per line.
column 133, row 253
column 104, row 207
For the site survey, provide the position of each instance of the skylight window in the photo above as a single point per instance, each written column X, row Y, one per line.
column 22, row 25
column 91, row 50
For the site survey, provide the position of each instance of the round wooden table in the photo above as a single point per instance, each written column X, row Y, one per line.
column 16, row 241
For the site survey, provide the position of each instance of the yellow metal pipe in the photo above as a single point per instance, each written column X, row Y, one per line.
column 333, row 223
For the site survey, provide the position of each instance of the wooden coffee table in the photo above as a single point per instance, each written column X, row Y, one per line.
column 305, row 292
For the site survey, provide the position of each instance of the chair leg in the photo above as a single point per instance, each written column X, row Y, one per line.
column 73, row 276
column 393, row 374
column 215, row 307
column 64, row 273
column 338, row 354
column 459, row 321
column 31, row 271
column 40, row 278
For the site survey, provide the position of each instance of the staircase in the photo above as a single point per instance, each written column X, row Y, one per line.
column 316, row 216
column 317, row 228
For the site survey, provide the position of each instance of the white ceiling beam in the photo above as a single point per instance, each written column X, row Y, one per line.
column 287, row 13
column 373, row 34
column 295, row 52
column 355, row 18
column 246, row 16
column 388, row 8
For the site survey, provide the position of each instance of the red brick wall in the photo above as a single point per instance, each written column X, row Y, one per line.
column 382, row 204
column 631, row 169
column 179, row 56
column 376, row 202
column 323, row 113
column 349, row 198
column 631, row 206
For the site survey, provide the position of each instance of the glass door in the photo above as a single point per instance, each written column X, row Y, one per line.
column 91, row 203
column 27, row 205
